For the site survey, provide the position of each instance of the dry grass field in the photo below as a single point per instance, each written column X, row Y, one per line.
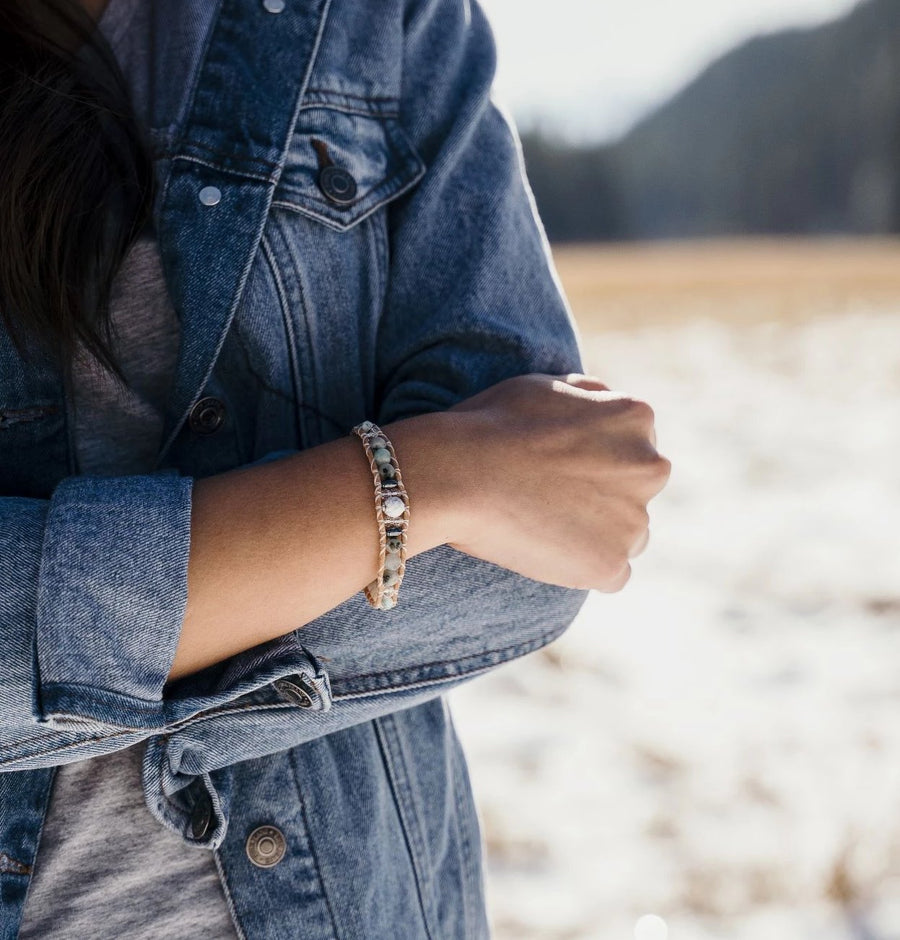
column 714, row 753
column 744, row 280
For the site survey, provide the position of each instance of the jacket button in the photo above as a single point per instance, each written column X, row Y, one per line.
column 337, row 184
column 210, row 195
column 296, row 691
column 201, row 816
column 273, row 6
column 266, row 846
column 207, row 416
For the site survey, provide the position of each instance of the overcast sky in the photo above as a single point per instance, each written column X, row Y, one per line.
column 591, row 67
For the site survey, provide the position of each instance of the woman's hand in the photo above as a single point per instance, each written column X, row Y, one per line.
column 557, row 474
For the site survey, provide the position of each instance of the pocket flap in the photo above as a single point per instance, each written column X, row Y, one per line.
column 343, row 164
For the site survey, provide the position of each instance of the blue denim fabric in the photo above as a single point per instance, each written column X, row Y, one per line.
column 303, row 317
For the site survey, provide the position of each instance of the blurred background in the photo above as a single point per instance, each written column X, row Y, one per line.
column 714, row 753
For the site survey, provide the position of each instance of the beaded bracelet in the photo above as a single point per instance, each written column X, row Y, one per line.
column 391, row 513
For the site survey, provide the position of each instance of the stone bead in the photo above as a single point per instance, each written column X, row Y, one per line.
column 394, row 507
column 377, row 441
column 392, row 562
column 394, row 544
column 390, row 578
column 387, row 602
column 381, row 455
column 386, row 471
column 367, row 426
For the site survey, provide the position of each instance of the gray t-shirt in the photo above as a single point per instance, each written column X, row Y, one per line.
column 105, row 867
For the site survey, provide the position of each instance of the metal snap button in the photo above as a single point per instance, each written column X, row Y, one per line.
column 201, row 816
column 337, row 184
column 273, row 6
column 210, row 195
column 266, row 846
column 207, row 416
column 296, row 690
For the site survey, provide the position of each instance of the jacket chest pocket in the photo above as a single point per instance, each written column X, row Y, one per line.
column 326, row 247
column 346, row 162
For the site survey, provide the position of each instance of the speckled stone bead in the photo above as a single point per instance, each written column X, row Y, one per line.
column 392, row 562
column 387, row 602
column 381, row 455
column 394, row 544
column 394, row 507
column 386, row 471
column 377, row 441
column 390, row 577
column 367, row 425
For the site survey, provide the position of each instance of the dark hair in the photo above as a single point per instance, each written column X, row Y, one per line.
column 76, row 180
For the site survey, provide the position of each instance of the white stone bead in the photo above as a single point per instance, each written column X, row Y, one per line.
column 381, row 455
column 387, row 602
column 377, row 441
column 394, row 507
column 391, row 562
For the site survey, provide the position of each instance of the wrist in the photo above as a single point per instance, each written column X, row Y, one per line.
column 428, row 449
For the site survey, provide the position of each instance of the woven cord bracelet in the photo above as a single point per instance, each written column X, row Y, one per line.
column 391, row 514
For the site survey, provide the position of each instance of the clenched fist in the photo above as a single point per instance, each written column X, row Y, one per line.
column 562, row 470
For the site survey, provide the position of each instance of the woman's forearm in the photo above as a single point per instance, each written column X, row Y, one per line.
column 276, row 545
column 547, row 476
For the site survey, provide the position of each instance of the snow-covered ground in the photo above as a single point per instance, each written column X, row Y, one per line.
column 719, row 744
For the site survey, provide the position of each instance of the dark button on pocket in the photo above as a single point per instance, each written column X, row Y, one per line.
column 207, row 416
column 201, row 816
column 338, row 185
column 296, row 690
column 266, row 846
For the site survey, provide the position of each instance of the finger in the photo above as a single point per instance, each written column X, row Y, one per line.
column 589, row 382
column 620, row 581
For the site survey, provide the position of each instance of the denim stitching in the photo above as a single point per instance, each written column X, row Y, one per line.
column 413, row 845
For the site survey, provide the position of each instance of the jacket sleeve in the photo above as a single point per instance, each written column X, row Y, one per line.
column 94, row 581
column 93, row 587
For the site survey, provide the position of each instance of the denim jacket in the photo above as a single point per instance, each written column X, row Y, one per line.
column 409, row 276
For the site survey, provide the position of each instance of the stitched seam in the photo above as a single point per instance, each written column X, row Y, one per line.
column 312, row 846
column 342, row 94
column 217, row 152
column 381, row 728
column 219, row 168
column 459, row 782
column 229, row 899
column 524, row 647
column 269, row 256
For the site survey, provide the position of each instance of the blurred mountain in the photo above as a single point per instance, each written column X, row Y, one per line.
column 795, row 132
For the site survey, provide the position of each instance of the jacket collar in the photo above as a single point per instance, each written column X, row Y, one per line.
column 235, row 140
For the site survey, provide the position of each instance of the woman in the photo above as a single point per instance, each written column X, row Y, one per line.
column 247, row 229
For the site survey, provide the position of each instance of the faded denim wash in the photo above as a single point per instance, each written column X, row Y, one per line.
column 303, row 317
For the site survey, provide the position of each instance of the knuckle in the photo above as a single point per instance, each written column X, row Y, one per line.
column 623, row 578
column 642, row 411
column 609, row 573
column 662, row 468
